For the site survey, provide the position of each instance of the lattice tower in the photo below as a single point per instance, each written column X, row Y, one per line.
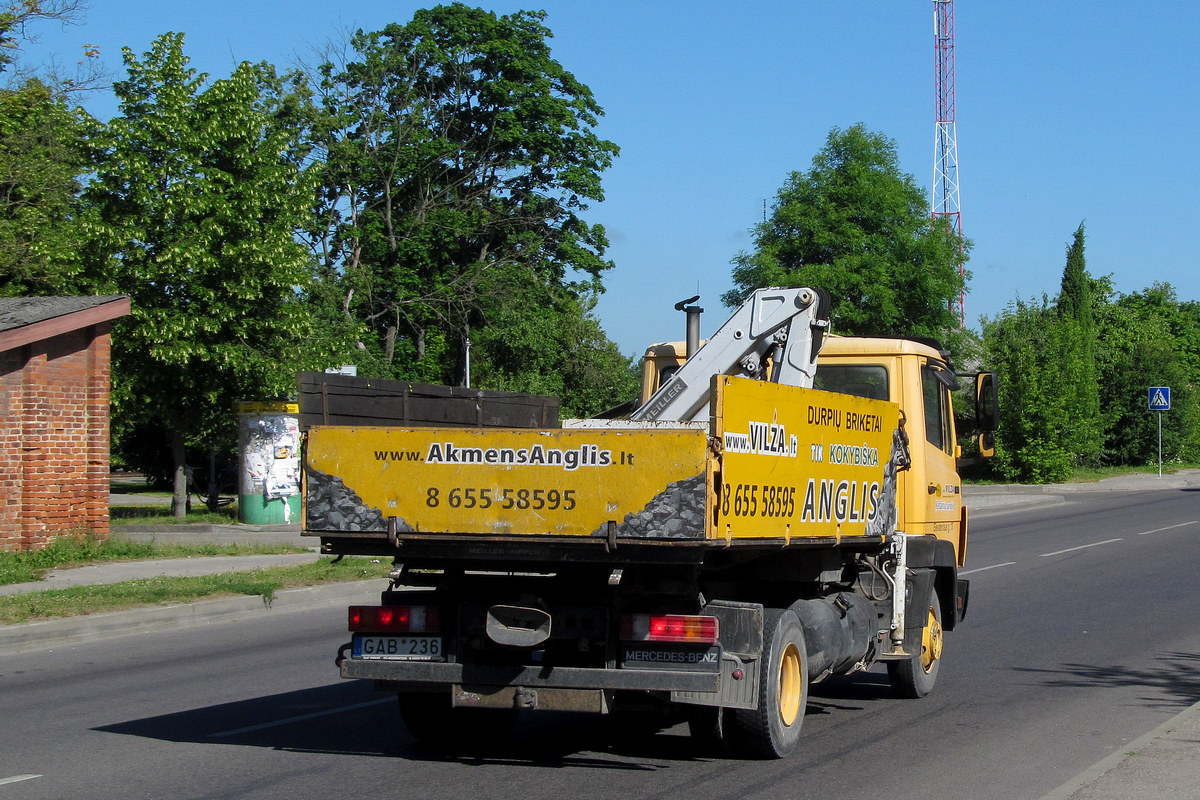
column 945, row 200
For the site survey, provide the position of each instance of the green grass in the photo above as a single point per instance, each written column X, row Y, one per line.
column 263, row 583
column 139, row 487
column 75, row 551
column 1093, row 474
column 161, row 515
column 981, row 477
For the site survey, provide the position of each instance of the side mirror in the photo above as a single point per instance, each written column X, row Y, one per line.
column 987, row 412
column 986, row 442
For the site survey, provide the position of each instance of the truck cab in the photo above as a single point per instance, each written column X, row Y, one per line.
column 917, row 376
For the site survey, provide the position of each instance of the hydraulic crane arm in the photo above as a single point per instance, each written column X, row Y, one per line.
column 786, row 326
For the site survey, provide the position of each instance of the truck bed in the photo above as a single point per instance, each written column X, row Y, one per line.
column 777, row 466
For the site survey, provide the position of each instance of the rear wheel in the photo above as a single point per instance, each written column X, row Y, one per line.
column 773, row 729
column 435, row 723
column 915, row 676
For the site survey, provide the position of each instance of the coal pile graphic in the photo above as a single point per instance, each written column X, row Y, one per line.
column 675, row 513
column 334, row 507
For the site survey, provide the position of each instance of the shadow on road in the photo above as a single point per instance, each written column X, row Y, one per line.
column 350, row 718
column 1176, row 675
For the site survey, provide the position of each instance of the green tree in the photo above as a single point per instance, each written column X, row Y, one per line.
column 857, row 226
column 1025, row 346
column 198, row 194
column 547, row 342
column 1076, row 307
column 1149, row 339
column 1140, row 340
column 43, row 151
column 457, row 148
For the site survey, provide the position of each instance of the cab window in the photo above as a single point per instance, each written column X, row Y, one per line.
column 936, row 401
column 860, row 380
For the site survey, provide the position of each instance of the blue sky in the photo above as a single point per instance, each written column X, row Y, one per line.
column 1069, row 111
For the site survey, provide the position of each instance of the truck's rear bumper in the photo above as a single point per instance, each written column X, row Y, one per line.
column 436, row 673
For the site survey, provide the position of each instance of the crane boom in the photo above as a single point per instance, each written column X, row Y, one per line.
column 786, row 325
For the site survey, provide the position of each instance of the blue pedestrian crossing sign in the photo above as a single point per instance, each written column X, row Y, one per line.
column 1160, row 398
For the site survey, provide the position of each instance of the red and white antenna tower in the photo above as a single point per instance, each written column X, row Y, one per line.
column 945, row 201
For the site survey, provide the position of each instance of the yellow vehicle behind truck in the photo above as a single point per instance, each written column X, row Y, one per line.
column 740, row 536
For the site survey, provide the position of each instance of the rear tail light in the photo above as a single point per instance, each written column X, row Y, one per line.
column 395, row 619
column 669, row 628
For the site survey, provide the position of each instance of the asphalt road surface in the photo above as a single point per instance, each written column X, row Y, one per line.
column 1082, row 635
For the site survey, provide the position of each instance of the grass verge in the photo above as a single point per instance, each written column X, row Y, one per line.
column 161, row 515
column 264, row 583
column 983, row 477
column 76, row 551
column 1093, row 474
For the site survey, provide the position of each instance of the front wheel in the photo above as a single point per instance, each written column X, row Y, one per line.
column 773, row 729
column 915, row 676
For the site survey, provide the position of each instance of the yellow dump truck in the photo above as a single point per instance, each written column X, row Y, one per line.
column 740, row 535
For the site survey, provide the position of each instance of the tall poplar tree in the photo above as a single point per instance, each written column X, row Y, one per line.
column 1076, row 310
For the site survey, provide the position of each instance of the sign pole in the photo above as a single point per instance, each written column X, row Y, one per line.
column 1159, row 400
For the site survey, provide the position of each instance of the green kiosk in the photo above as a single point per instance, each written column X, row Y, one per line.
column 269, row 449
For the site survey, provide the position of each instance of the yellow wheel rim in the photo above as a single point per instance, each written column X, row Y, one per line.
column 931, row 642
column 790, row 685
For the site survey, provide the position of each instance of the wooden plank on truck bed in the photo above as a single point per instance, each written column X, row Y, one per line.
column 333, row 399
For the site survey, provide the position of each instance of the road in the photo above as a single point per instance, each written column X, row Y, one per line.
column 1082, row 635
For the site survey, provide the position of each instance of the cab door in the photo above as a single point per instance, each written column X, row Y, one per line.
column 936, row 491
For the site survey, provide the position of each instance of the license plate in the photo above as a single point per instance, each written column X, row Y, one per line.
column 408, row 648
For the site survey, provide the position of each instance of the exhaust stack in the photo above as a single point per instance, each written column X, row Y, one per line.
column 693, row 323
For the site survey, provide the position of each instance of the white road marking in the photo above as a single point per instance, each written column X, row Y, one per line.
column 985, row 569
column 1081, row 547
column 1170, row 527
column 301, row 718
column 18, row 779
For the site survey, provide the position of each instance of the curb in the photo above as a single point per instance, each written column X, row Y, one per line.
column 1003, row 504
column 225, row 534
column 30, row 636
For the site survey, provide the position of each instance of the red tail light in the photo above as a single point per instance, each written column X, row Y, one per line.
column 669, row 628
column 395, row 619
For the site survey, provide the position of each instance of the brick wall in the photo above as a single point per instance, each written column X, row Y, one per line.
column 54, row 446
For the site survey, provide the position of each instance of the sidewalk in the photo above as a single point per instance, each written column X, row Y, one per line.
column 48, row 634
column 1165, row 763
column 984, row 498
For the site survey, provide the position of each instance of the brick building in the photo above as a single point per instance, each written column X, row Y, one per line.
column 54, row 420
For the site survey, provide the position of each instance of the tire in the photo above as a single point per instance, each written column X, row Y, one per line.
column 773, row 729
column 435, row 723
column 915, row 676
